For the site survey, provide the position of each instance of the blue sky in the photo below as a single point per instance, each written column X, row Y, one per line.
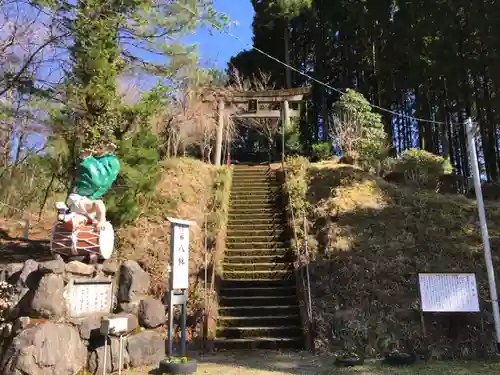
column 218, row 48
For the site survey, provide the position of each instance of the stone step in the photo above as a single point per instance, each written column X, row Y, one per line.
column 256, row 238
column 244, row 207
column 247, row 225
column 257, row 251
column 254, row 258
column 253, row 191
column 258, row 291
column 250, row 284
column 251, row 201
column 254, row 185
column 258, row 245
column 259, row 343
column 257, row 301
column 265, row 232
column 255, row 195
column 256, row 321
column 259, row 310
column 244, row 211
column 252, row 221
column 257, row 267
column 252, row 275
column 254, row 217
column 253, row 332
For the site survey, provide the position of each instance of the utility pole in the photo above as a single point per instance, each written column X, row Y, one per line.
column 484, row 228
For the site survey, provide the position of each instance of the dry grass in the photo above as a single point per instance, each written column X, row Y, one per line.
column 275, row 363
column 371, row 238
column 185, row 191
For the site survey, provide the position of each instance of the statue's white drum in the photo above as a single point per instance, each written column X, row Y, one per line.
column 83, row 240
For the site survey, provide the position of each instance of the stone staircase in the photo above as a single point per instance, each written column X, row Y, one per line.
column 258, row 307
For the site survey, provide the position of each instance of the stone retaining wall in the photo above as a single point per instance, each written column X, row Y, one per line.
column 39, row 337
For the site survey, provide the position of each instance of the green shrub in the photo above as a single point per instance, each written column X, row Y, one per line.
column 321, row 151
column 139, row 174
column 420, row 166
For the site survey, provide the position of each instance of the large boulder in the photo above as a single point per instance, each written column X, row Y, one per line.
column 81, row 269
column 53, row 266
column 134, row 281
column 29, row 276
column 96, row 357
column 151, row 313
column 89, row 326
column 145, row 348
column 46, row 349
column 48, row 298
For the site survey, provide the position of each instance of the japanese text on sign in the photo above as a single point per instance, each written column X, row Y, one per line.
column 90, row 298
column 180, row 266
column 448, row 292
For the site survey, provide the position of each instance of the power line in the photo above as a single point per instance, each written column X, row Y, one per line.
column 218, row 27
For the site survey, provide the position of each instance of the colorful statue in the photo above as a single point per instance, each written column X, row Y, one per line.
column 82, row 229
column 96, row 174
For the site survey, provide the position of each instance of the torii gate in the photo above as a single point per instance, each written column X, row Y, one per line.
column 247, row 104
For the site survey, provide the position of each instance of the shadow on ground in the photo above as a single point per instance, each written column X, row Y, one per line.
column 17, row 250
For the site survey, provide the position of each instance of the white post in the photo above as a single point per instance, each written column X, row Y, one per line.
column 219, row 134
column 484, row 228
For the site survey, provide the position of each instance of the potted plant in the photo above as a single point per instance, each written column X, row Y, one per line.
column 178, row 365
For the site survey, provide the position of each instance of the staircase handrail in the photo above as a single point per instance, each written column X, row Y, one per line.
column 307, row 289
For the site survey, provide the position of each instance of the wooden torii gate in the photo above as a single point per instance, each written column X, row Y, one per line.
column 248, row 104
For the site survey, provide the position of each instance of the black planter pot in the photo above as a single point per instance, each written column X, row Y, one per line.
column 349, row 361
column 400, row 359
column 178, row 368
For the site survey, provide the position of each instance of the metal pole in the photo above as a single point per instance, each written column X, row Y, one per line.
column 484, row 229
column 183, row 327
column 306, row 248
column 170, row 323
column 105, row 355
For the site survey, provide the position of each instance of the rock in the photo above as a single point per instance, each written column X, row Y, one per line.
column 48, row 299
column 46, row 349
column 89, row 326
column 96, row 357
column 10, row 272
column 21, row 324
column 130, row 307
column 145, row 348
column 29, row 278
column 110, row 267
column 151, row 313
column 134, row 281
column 56, row 266
column 78, row 268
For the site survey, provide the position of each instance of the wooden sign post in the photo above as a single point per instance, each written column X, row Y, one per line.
column 179, row 278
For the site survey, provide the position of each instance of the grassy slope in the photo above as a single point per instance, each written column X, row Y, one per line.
column 186, row 191
column 372, row 240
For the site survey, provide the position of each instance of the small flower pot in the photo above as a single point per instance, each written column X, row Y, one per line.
column 177, row 367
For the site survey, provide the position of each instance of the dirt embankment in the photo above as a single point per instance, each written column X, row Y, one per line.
column 369, row 240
